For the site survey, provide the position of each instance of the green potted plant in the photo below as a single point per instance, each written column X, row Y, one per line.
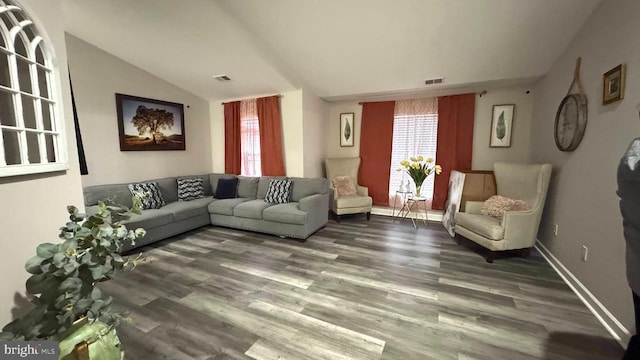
column 68, row 307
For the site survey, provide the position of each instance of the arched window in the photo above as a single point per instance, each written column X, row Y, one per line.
column 30, row 121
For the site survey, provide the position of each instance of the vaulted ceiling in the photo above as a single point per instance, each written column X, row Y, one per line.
column 336, row 48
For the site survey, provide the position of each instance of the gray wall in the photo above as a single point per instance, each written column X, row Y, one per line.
column 96, row 77
column 582, row 198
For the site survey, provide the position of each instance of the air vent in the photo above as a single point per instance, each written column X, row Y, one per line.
column 222, row 77
column 434, row 81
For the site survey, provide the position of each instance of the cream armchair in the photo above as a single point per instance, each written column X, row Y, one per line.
column 518, row 229
column 342, row 205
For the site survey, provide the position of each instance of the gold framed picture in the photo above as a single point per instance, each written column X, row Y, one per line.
column 613, row 84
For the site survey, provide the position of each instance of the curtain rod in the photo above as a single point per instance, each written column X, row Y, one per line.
column 483, row 92
column 278, row 95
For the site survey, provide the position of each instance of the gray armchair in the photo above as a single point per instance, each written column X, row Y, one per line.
column 354, row 204
column 518, row 229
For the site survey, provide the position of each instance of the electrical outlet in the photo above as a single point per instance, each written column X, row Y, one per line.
column 555, row 229
column 585, row 253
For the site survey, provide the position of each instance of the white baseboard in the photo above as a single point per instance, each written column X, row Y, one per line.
column 615, row 328
column 432, row 215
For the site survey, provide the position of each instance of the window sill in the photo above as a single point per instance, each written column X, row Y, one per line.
column 15, row 170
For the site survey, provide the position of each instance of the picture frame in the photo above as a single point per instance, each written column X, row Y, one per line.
column 347, row 129
column 138, row 132
column 613, row 82
column 501, row 125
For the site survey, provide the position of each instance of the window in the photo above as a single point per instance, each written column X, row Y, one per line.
column 415, row 132
column 31, row 139
column 249, row 139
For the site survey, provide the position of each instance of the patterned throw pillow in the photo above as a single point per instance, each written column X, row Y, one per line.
column 497, row 205
column 149, row 194
column 345, row 185
column 190, row 188
column 279, row 191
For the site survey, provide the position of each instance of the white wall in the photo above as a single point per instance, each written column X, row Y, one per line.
column 483, row 155
column 582, row 197
column 34, row 207
column 96, row 77
column 316, row 130
column 292, row 132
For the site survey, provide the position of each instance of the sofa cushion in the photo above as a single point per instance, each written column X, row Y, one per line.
column 213, row 180
column 279, row 191
column 226, row 189
column 168, row 188
column 263, row 185
column 149, row 219
column 148, row 193
column 190, row 188
column 483, row 225
column 285, row 213
column 225, row 206
column 251, row 209
column 205, row 181
column 303, row 187
column 247, row 186
column 186, row 209
column 344, row 185
column 117, row 194
column 354, row 201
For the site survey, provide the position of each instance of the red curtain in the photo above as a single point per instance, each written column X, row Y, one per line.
column 270, row 124
column 376, row 138
column 232, row 147
column 455, row 141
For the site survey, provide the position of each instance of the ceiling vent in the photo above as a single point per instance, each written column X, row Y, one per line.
column 222, row 78
column 434, row 81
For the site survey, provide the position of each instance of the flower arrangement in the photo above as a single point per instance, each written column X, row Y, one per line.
column 419, row 169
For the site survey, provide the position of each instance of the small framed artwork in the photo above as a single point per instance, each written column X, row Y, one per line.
column 148, row 124
column 613, row 84
column 347, row 130
column 501, row 126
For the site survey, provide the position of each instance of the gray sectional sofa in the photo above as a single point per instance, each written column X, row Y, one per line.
column 306, row 212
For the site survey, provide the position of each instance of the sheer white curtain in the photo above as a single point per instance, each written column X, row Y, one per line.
column 415, row 132
column 249, row 139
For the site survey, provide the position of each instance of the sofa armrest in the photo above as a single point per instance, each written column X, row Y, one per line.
column 520, row 229
column 473, row 207
column 362, row 190
column 315, row 203
column 91, row 210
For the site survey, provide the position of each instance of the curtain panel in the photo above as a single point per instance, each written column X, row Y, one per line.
column 232, row 136
column 376, row 138
column 270, row 124
column 455, row 141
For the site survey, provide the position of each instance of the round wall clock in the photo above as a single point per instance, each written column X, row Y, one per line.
column 571, row 121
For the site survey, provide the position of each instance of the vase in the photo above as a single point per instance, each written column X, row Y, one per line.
column 418, row 188
column 91, row 341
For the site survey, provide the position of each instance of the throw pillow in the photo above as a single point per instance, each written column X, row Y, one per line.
column 190, row 188
column 226, row 189
column 497, row 205
column 148, row 193
column 279, row 191
column 345, row 185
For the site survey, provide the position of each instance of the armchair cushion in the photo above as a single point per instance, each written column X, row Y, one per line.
column 354, row 201
column 486, row 226
column 344, row 185
column 497, row 205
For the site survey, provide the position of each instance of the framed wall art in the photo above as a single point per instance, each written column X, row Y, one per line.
column 148, row 124
column 501, row 126
column 347, row 129
column 613, row 84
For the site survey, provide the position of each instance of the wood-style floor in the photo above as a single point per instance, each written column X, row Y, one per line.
column 355, row 290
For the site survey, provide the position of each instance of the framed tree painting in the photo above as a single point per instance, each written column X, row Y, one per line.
column 148, row 124
column 347, row 129
column 501, row 126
